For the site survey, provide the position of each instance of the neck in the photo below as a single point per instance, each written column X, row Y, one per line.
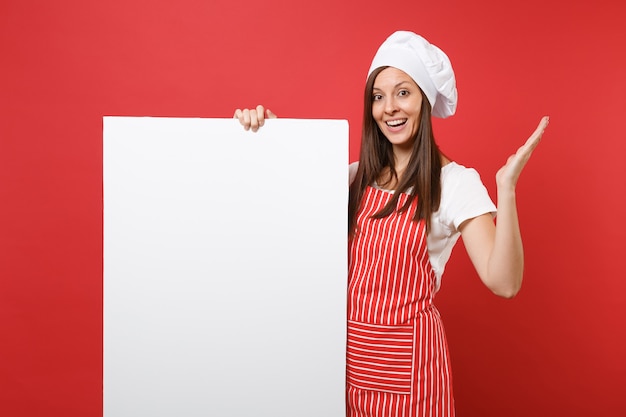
column 401, row 159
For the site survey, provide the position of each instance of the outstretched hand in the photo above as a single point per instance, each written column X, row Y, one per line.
column 508, row 175
column 253, row 118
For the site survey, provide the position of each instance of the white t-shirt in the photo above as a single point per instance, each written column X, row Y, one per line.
column 463, row 197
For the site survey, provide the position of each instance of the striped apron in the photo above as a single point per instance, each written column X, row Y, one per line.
column 397, row 355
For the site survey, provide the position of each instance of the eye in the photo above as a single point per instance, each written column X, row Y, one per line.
column 403, row 93
column 377, row 97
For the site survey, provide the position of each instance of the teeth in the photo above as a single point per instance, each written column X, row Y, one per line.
column 393, row 123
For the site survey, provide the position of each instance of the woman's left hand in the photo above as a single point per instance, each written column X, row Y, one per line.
column 508, row 175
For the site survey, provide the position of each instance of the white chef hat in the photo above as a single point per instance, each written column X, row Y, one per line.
column 428, row 65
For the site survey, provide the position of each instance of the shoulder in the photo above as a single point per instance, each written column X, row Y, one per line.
column 454, row 174
column 463, row 195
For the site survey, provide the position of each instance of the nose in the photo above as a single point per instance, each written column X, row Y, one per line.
column 390, row 105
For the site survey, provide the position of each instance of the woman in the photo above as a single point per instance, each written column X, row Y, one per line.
column 408, row 205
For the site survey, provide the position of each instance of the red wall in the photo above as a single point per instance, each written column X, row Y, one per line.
column 556, row 349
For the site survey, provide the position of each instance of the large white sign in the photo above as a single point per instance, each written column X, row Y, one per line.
column 224, row 267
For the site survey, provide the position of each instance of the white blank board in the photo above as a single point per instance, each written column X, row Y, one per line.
column 225, row 260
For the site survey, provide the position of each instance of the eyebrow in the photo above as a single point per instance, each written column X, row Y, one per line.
column 395, row 86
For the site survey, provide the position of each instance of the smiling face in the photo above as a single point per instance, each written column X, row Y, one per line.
column 396, row 107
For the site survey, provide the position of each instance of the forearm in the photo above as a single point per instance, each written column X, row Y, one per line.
column 506, row 262
column 498, row 253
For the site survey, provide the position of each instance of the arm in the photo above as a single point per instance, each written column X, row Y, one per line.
column 496, row 250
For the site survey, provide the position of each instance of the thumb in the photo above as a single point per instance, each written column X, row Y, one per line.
column 269, row 114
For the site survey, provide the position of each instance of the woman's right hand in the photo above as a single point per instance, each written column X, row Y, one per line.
column 253, row 118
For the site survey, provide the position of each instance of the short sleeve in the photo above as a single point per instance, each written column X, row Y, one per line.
column 464, row 197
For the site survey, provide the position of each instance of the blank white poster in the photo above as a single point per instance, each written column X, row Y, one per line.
column 225, row 265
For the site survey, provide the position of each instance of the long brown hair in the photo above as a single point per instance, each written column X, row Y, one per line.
column 421, row 178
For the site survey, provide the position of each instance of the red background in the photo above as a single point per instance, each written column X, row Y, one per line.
column 556, row 349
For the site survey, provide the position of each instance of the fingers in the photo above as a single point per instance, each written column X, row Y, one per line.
column 257, row 114
column 534, row 139
column 510, row 172
column 253, row 119
column 244, row 117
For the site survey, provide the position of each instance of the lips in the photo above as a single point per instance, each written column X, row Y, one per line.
column 396, row 122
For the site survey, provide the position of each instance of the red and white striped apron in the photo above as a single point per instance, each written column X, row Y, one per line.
column 397, row 357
